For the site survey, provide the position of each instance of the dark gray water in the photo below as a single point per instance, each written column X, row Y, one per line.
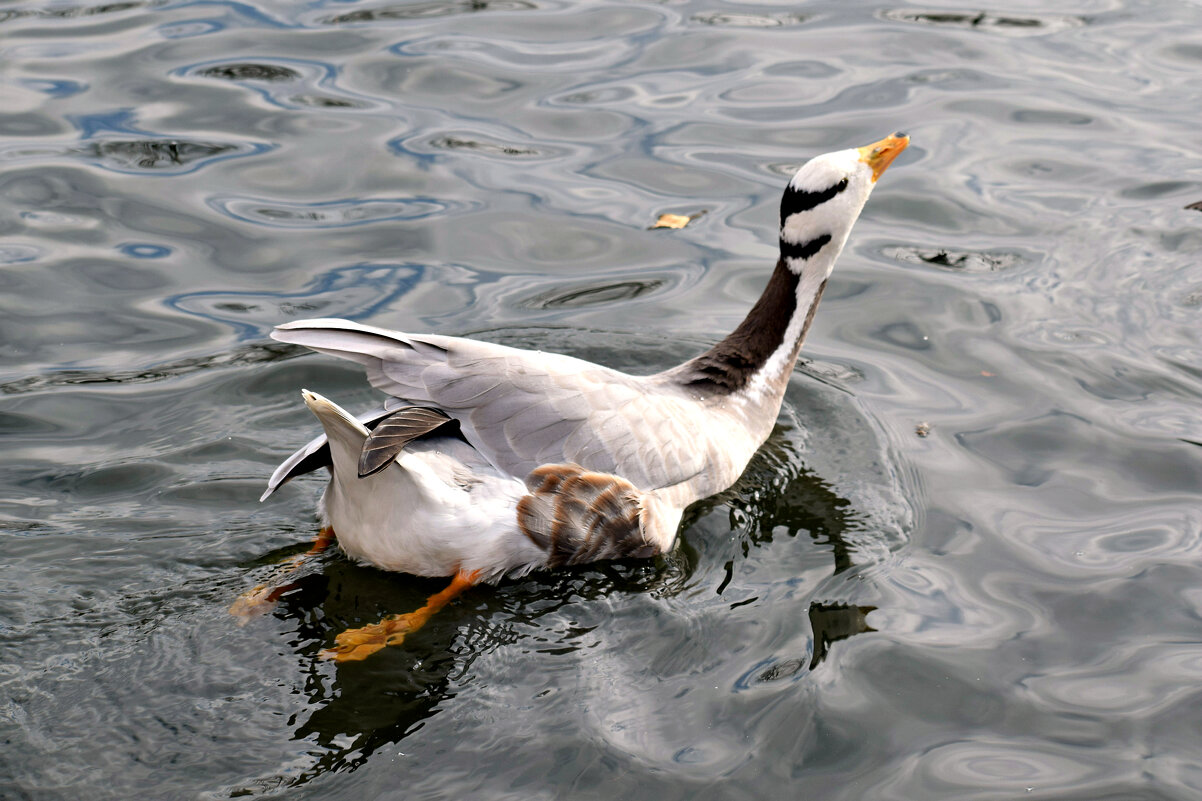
column 1007, row 607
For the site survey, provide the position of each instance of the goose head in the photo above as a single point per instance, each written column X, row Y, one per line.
column 823, row 200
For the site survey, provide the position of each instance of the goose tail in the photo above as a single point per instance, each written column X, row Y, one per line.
column 344, row 433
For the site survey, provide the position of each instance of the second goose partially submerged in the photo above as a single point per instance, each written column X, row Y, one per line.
column 488, row 460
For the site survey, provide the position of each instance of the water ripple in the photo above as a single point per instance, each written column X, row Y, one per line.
column 477, row 144
column 287, row 83
column 18, row 254
column 72, row 11
column 986, row 22
column 593, row 294
column 1007, row 607
column 473, row 49
column 958, row 260
column 986, row 766
column 733, row 20
column 165, row 156
column 248, row 72
column 354, row 292
column 425, row 10
column 330, row 213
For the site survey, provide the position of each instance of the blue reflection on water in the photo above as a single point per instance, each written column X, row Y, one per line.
column 186, row 29
column 61, row 88
column 353, row 292
column 119, row 120
column 144, row 250
column 18, row 254
column 244, row 14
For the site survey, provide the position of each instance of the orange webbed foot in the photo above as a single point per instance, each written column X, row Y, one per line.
column 355, row 645
column 256, row 602
column 262, row 599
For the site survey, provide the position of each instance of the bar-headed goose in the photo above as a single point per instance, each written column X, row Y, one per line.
column 488, row 460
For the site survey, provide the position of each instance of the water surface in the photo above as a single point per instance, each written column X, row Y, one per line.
column 965, row 566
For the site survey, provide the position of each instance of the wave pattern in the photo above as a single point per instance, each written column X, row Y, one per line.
column 965, row 565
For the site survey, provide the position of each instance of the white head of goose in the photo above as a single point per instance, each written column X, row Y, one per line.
column 488, row 460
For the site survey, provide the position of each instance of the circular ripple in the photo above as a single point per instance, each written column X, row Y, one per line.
column 18, row 254
column 1004, row 766
column 143, row 250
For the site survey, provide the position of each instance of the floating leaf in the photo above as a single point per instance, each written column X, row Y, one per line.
column 675, row 220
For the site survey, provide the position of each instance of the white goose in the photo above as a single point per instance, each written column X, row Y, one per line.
column 488, row 460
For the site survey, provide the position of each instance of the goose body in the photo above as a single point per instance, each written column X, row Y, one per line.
column 488, row 460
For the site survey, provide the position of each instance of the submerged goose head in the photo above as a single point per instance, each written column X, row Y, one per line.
column 823, row 200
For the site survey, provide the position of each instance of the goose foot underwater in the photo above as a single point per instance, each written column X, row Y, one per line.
column 262, row 599
column 487, row 461
column 354, row 645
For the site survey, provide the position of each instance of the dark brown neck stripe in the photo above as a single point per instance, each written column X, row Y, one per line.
column 805, row 250
column 794, row 201
column 728, row 366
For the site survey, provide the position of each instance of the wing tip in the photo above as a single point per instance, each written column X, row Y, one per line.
column 317, row 322
column 325, row 323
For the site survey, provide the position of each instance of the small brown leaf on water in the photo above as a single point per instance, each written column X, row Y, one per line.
column 675, row 220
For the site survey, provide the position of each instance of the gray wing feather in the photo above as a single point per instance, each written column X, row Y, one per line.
column 523, row 409
column 500, row 405
column 462, row 389
column 394, row 432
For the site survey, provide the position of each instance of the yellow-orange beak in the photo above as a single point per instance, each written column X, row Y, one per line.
column 879, row 155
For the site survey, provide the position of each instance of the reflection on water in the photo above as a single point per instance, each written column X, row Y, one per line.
column 405, row 11
column 615, row 292
column 353, row 293
column 1001, row 24
column 163, row 156
column 1004, row 607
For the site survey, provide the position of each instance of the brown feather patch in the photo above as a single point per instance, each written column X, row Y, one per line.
column 579, row 516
